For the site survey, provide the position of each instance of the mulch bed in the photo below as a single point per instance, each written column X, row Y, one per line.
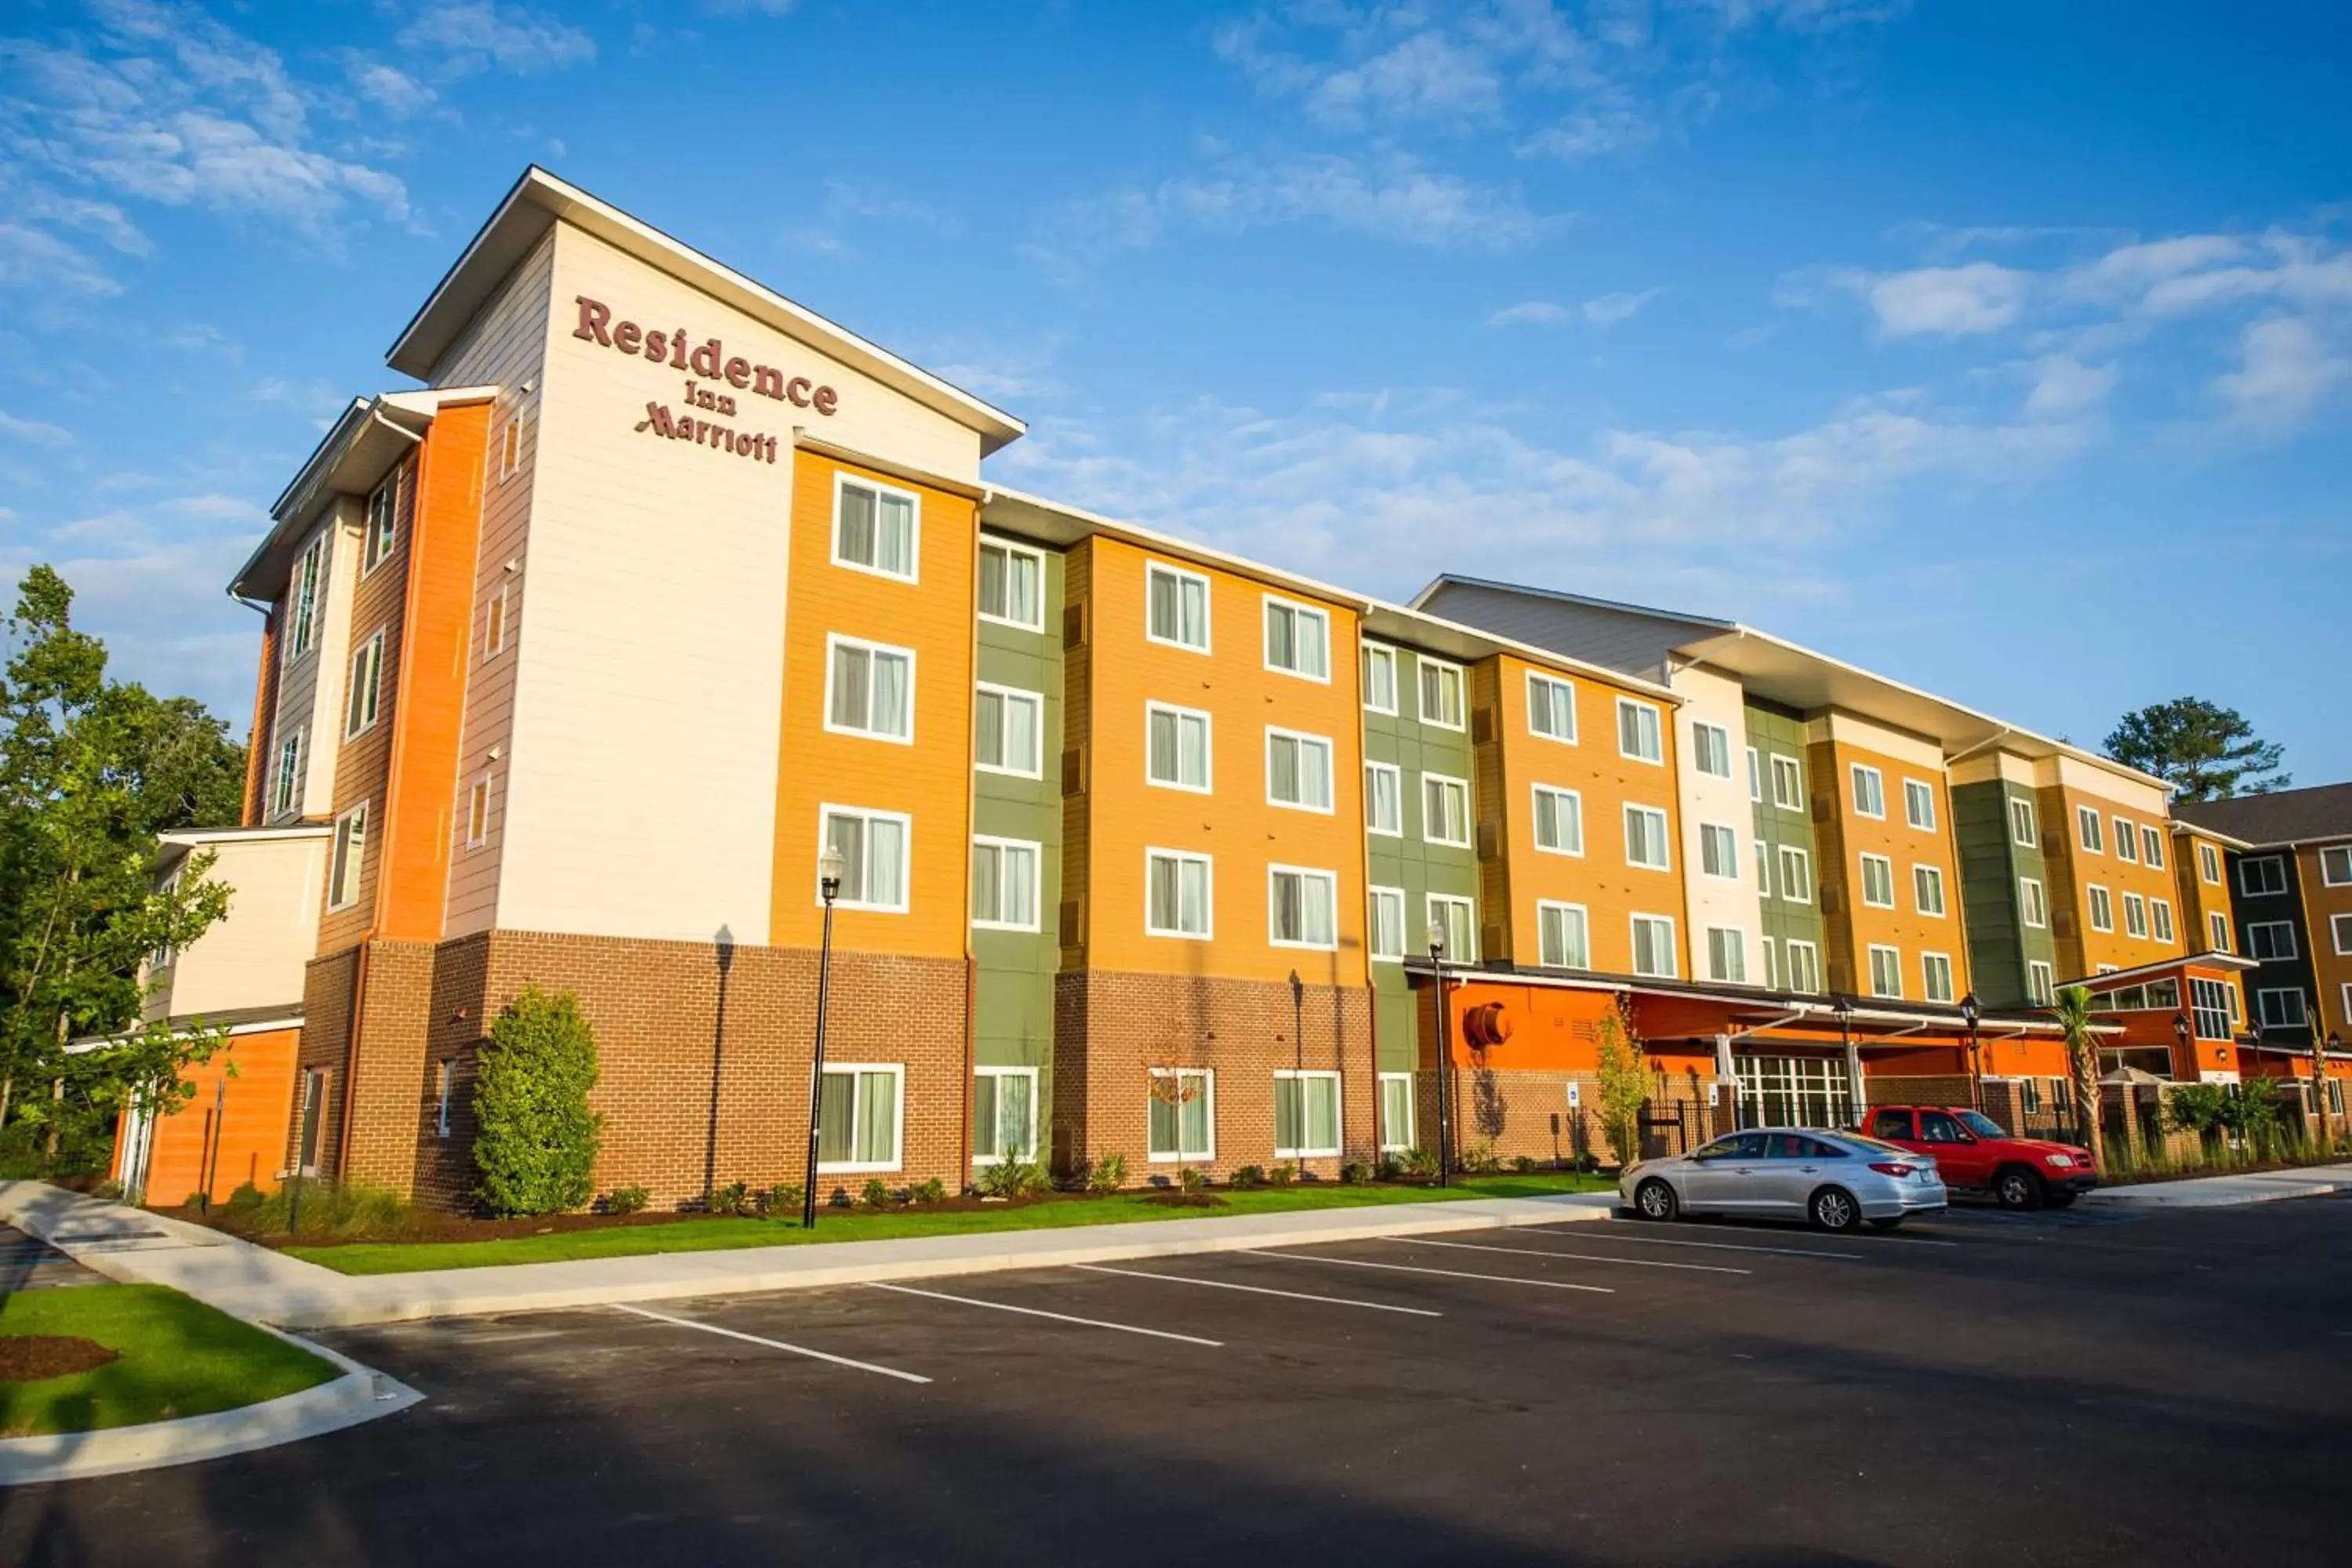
column 29, row 1358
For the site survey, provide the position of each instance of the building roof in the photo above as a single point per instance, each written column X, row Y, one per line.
column 2281, row 817
column 234, row 1020
column 181, row 843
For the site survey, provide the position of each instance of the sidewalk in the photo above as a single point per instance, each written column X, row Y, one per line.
column 2228, row 1192
column 261, row 1286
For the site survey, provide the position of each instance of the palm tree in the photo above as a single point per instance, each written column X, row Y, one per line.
column 2076, row 1015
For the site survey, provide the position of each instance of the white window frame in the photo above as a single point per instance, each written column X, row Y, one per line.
column 2291, row 992
column 1923, row 876
column 1339, row 1113
column 2040, row 981
column 1431, row 905
column 1927, row 963
column 1707, row 828
column 1208, row 747
column 1755, row 776
column 1389, row 1145
column 1862, row 893
column 1009, row 694
column 1575, row 800
column 510, row 447
column 444, row 1073
column 1855, row 773
column 2127, row 840
column 1537, row 680
column 1657, row 731
column 2135, row 917
column 826, row 812
column 1698, row 750
column 854, row 1071
column 2025, row 830
column 842, row 480
column 1893, row 966
column 1330, row 879
column 378, row 546
column 1374, row 897
column 1771, row 963
column 1632, row 950
column 2099, row 908
column 1029, row 1150
column 495, row 611
column 1665, row 847
column 1739, row 951
column 2339, row 934
column 367, row 676
column 1460, row 686
column 1208, row 607
column 2090, row 830
column 347, row 856
column 833, row 643
column 2033, row 908
column 1469, row 828
column 1584, row 918
column 2160, row 921
column 1396, row 774
column 2328, row 858
column 995, row 541
column 2276, row 863
column 1914, row 792
column 1787, row 769
column 1181, row 1156
column 286, row 787
column 2290, row 952
column 1763, row 868
column 1811, row 966
column 1267, row 604
column 2151, row 847
column 1208, row 888
column 1803, row 858
column 1368, row 654
column 2209, row 864
column 307, row 590
column 479, row 800
column 1330, row 770
column 1036, row 883
column 2217, row 932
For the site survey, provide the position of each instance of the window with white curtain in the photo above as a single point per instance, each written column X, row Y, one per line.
column 873, row 846
column 1176, row 747
column 1297, row 770
column 1008, row 730
column 870, row 689
column 859, row 1117
column 875, row 528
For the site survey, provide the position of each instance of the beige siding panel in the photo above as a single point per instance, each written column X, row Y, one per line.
column 1712, row 699
column 310, row 689
column 257, row 955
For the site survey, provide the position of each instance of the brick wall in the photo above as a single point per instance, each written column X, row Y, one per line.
column 326, row 1033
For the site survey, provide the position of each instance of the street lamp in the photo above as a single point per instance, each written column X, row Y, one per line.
column 1444, row 1048
column 829, row 867
column 1297, row 1062
column 1970, row 1012
column 1843, row 1005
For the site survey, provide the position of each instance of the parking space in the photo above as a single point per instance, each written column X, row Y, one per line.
column 2052, row 1387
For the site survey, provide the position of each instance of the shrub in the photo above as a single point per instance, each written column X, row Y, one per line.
column 1420, row 1161
column 875, row 1194
column 1246, row 1177
column 246, row 1196
column 627, row 1200
column 781, row 1199
column 1479, row 1161
column 734, row 1198
column 1389, row 1168
column 346, row 1211
column 110, row 1190
column 1109, row 1173
column 1190, row 1180
column 1586, row 1162
column 1012, row 1178
column 536, row 1141
column 930, row 1190
column 1354, row 1173
column 1523, row 1164
column 1282, row 1175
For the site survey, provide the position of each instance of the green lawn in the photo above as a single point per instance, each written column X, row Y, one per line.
column 845, row 1225
column 179, row 1358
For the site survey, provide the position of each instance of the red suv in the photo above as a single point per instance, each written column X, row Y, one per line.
column 1973, row 1154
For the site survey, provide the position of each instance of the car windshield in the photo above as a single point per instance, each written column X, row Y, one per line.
column 1984, row 1126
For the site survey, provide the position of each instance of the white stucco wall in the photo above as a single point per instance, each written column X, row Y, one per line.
column 1713, row 699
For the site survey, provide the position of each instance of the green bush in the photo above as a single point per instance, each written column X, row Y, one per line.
column 930, row 1190
column 1354, row 1173
column 1586, row 1162
column 1246, row 1177
column 246, row 1196
column 1524, row 1164
column 1388, row 1167
column 1109, row 1173
column 1479, row 1161
column 1419, row 1163
column 536, row 1140
column 875, row 1194
column 1282, row 1175
column 1190, row 1180
column 345, row 1211
column 734, row 1198
column 1012, row 1178
column 627, row 1200
column 110, row 1190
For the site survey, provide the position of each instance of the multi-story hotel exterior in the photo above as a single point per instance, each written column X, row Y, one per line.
column 580, row 654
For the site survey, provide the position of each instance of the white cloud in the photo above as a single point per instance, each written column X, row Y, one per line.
column 35, row 431
column 477, row 36
column 1949, row 301
column 2285, row 367
column 1608, row 309
column 1591, row 133
column 34, row 259
column 390, row 89
column 2064, row 385
column 1531, row 314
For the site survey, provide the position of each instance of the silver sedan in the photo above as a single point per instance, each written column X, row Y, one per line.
column 1836, row 1180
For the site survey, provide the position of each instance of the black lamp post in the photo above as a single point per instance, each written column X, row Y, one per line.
column 1298, row 1061
column 1444, row 1048
column 1971, row 1012
column 829, row 867
column 2187, row 1052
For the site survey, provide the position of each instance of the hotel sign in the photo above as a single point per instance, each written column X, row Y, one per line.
column 717, row 377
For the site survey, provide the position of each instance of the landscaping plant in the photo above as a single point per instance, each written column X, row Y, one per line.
column 734, row 1198
column 1245, row 1177
column 2076, row 1017
column 1622, row 1086
column 536, row 1141
column 1282, row 1175
column 1010, row 1178
column 1109, row 1173
column 627, row 1200
column 875, row 1194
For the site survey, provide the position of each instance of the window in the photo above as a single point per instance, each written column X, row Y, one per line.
column 1796, row 875
column 1928, row 889
column 1551, row 707
column 1719, row 850
column 366, row 693
column 1383, row 799
column 2029, row 1096
column 2126, row 841
column 2279, row 1009
column 441, row 1075
column 383, row 535
column 1805, row 966
column 477, row 813
column 1004, row 1114
column 1727, row 955
column 1886, row 971
column 858, row 1115
column 1396, row 1110
column 1379, row 677
column 1176, row 893
column 494, row 623
column 2262, row 877
column 2032, row 904
column 870, row 689
column 2102, row 914
column 1755, row 776
column 2340, row 933
column 875, row 528
column 1176, row 749
column 1654, row 946
column 1459, row 918
column 1763, row 869
column 1919, row 805
column 2161, row 918
column 1788, row 783
column 314, row 1108
column 1560, row 820
column 873, row 846
column 2335, row 865
column 1445, row 810
column 1004, row 873
column 1302, row 907
column 1877, row 881
column 2041, row 982
column 1012, row 585
column 1935, row 970
column 1441, row 693
column 1306, row 1114
column 1869, row 790
column 1008, row 730
column 1638, row 734
column 1764, row 945
column 2151, row 849
column 302, row 611
column 1177, row 607
column 1711, row 750
column 2089, row 832
column 1183, row 1114
column 509, row 448
column 2209, row 864
column 1298, row 639
column 286, row 794
column 348, row 854
column 2270, row 942
column 2020, row 822
column 1384, row 939
column 1563, row 938
column 1645, row 838
column 2217, row 931
column 1297, row 770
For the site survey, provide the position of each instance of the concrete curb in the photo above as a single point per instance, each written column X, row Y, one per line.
column 2227, row 1192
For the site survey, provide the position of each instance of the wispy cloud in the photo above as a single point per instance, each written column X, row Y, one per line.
column 1947, row 302
column 1608, row 309
column 2285, row 367
column 1601, row 310
column 1532, row 313
column 480, row 35
column 34, row 431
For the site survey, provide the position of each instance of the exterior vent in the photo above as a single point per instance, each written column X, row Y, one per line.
column 2062, row 924
column 1840, row 977
column 1824, row 808
column 1074, row 771
column 1073, row 923
column 1481, row 726
column 1832, row 898
column 1490, row 841
column 1073, row 624
column 1493, row 942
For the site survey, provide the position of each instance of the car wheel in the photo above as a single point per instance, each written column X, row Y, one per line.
column 2017, row 1187
column 1893, row 1222
column 1833, row 1209
column 1653, row 1199
column 2060, row 1200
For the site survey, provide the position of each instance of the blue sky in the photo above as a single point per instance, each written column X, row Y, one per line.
column 2003, row 348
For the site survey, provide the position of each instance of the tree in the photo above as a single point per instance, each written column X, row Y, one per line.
column 535, row 1140
column 1623, row 1085
column 2208, row 751
column 2076, row 1017
column 91, row 770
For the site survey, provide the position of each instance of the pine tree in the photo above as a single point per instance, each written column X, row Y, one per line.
column 2207, row 751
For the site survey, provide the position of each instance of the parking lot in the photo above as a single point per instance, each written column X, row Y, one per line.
column 2043, row 1388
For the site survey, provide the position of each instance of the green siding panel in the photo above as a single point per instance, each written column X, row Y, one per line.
column 2001, row 944
column 1407, row 862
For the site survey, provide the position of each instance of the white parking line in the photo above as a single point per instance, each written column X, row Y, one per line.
column 1258, row 1290
column 1728, row 1247
column 1039, row 1312
column 1572, row 1257
column 1449, row 1273
column 771, row 1344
